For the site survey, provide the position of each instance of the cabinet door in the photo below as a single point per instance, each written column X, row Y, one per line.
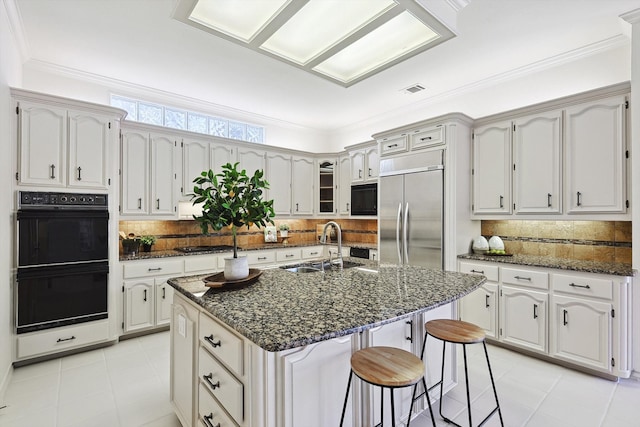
column 139, row 305
column 537, row 159
column 327, row 187
column 195, row 160
column 481, row 308
column 42, row 145
column 184, row 320
column 279, row 177
column 399, row 335
column 164, row 299
column 344, row 186
column 492, row 169
column 582, row 332
column 89, row 140
column 303, row 196
column 325, row 365
column 163, row 174
column 135, row 174
column 251, row 160
column 595, row 151
column 523, row 318
column 220, row 155
column 372, row 163
column 357, row 166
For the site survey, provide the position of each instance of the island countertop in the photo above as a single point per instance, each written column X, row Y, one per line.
column 284, row 310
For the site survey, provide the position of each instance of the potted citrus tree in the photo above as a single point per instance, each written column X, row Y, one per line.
column 232, row 199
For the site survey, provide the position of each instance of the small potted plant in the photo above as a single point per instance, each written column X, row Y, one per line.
column 232, row 199
column 147, row 242
column 284, row 230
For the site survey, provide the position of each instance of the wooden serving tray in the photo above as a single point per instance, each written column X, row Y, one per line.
column 217, row 280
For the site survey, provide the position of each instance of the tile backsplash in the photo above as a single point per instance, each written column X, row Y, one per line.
column 581, row 240
column 174, row 234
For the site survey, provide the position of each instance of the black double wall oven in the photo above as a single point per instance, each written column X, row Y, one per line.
column 63, row 259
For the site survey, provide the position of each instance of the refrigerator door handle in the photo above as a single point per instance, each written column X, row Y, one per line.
column 398, row 223
column 405, row 240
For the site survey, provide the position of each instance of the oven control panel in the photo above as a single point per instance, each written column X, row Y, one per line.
column 49, row 199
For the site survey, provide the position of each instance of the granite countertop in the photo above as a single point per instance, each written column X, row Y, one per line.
column 172, row 253
column 285, row 310
column 613, row 268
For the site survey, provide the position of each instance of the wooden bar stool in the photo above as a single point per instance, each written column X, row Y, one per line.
column 459, row 332
column 387, row 367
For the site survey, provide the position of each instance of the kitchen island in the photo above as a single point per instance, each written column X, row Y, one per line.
column 276, row 352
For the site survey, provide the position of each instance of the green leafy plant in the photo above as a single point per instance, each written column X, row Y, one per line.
column 284, row 227
column 147, row 240
column 232, row 199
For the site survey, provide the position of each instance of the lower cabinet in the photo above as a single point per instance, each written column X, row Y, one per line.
column 184, row 323
column 574, row 317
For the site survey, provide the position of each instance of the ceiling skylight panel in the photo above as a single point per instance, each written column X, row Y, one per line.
column 397, row 38
column 321, row 24
column 241, row 19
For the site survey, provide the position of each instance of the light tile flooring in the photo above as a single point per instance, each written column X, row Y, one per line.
column 127, row 385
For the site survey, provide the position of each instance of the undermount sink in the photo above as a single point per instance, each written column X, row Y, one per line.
column 317, row 266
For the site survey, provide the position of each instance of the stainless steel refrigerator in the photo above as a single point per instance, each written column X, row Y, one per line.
column 411, row 209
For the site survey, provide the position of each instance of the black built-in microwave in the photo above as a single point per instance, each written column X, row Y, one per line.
column 364, row 199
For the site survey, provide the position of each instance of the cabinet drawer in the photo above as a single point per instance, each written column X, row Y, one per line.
column 394, row 144
column 222, row 343
column 203, row 263
column 286, row 255
column 262, row 257
column 152, row 268
column 585, row 286
column 61, row 339
column 520, row 277
column 312, row 252
column 224, row 386
column 489, row 271
column 210, row 410
column 427, row 138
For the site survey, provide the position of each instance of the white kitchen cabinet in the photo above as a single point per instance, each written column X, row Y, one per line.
column 251, row 160
column 480, row 307
column 163, row 174
column 537, row 162
column 344, row 185
column 427, row 137
column 288, row 255
column 220, row 155
column 184, row 322
column 302, row 179
column 523, row 318
column 89, row 141
column 195, row 160
column 257, row 258
column 164, row 299
column 278, row 167
column 491, row 170
column 135, row 173
column 595, row 134
column 327, row 187
column 393, row 144
column 139, row 304
column 365, row 165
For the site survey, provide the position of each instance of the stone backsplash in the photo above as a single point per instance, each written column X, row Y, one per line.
column 174, row 234
column 608, row 241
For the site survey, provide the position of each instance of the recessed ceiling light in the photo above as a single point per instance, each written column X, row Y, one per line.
column 342, row 41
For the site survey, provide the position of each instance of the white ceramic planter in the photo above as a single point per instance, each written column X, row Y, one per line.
column 284, row 233
column 236, row 268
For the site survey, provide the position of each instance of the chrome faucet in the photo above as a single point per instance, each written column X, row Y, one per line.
column 323, row 240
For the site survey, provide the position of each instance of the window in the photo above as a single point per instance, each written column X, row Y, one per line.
column 175, row 118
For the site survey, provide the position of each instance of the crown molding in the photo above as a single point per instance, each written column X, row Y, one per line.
column 17, row 29
column 632, row 17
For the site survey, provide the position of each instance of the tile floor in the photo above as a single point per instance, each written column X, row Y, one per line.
column 127, row 385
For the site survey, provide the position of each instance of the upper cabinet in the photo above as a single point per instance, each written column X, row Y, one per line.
column 135, row 173
column 195, row 160
column 251, row 160
column 62, row 146
column 279, row 178
column 595, row 156
column 327, row 187
column 365, row 164
column 492, row 169
column 537, row 151
column 302, row 186
column 565, row 157
column 344, row 185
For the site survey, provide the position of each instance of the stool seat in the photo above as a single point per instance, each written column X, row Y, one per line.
column 387, row 366
column 455, row 331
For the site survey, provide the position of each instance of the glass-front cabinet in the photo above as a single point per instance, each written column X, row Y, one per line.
column 327, row 186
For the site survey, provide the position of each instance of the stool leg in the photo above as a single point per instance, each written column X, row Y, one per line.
column 346, row 398
column 444, row 348
column 433, row 420
column 466, row 380
column 382, row 406
column 495, row 393
column 393, row 409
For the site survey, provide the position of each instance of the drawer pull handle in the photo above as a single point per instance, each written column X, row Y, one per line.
column 66, row 339
column 79, row 173
column 477, row 271
column 213, row 343
column 139, row 203
column 501, row 201
column 573, row 285
column 392, row 145
column 535, row 311
column 154, row 269
column 313, row 253
column 486, row 301
column 548, row 200
column 164, row 293
column 262, row 258
column 288, row 255
column 144, row 298
column 426, row 138
column 53, row 171
column 209, row 380
column 410, row 337
column 207, row 420
column 579, row 198
column 523, row 278
column 565, row 322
